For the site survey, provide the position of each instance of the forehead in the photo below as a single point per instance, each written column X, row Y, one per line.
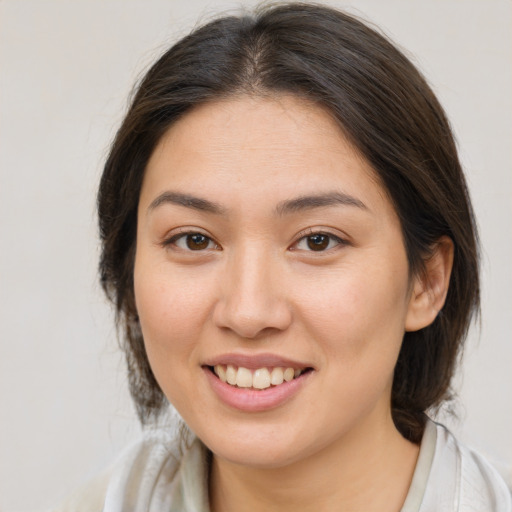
column 283, row 145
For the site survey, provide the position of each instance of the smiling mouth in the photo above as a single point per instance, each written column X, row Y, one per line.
column 259, row 379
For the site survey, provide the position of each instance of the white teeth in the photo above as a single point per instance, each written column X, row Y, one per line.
column 288, row 375
column 231, row 375
column 244, row 378
column 262, row 378
column 221, row 372
column 277, row 376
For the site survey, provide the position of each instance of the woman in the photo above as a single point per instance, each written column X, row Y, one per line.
column 291, row 250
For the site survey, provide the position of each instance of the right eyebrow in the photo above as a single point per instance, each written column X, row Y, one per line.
column 318, row 201
column 186, row 200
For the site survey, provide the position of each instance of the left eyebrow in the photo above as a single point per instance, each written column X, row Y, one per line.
column 186, row 200
column 318, row 201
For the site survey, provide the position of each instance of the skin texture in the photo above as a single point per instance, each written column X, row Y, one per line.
column 254, row 286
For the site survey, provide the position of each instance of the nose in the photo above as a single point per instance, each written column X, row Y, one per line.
column 253, row 301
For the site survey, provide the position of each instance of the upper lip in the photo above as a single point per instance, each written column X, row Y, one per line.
column 255, row 361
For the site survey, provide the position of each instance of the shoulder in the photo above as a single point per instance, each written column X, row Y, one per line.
column 461, row 479
column 89, row 497
column 141, row 473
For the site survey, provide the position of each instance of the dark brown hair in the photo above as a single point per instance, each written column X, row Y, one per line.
column 386, row 109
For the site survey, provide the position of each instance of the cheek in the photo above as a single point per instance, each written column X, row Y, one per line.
column 355, row 309
column 172, row 308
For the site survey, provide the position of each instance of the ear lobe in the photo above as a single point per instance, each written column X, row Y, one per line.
column 430, row 287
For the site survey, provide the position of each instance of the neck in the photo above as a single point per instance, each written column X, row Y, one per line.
column 369, row 469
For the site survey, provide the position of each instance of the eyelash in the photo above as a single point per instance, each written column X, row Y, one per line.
column 184, row 235
column 310, row 233
column 303, row 237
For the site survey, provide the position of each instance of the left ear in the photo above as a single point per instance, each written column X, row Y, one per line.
column 430, row 286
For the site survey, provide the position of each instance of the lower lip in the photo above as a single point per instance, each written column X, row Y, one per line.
column 252, row 400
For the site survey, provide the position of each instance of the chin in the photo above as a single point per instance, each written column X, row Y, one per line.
column 262, row 448
column 258, row 457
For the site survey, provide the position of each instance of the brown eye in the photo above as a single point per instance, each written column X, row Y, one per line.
column 197, row 241
column 318, row 242
column 191, row 241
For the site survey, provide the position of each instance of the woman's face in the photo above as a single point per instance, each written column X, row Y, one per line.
column 266, row 243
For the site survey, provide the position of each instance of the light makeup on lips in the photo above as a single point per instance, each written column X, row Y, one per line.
column 256, row 383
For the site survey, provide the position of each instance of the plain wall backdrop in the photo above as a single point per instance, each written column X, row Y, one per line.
column 66, row 69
